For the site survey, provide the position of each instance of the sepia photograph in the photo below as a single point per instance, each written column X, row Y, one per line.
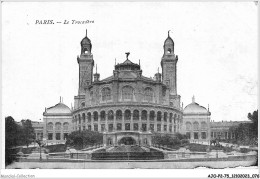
column 130, row 85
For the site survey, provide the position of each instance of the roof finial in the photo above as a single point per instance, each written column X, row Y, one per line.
column 169, row 33
column 139, row 62
column 86, row 32
column 193, row 99
column 208, row 107
column 115, row 61
column 127, row 54
column 60, row 99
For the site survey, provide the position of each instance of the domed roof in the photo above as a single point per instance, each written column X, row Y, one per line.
column 85, row 40
column 59, row 109
column 169, row 40
column 195, row 108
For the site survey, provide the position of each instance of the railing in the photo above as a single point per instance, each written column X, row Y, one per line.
column 127, row 156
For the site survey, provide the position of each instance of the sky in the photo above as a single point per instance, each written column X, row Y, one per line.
column 216, row 43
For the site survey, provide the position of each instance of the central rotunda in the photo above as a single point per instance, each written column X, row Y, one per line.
column 127, row 106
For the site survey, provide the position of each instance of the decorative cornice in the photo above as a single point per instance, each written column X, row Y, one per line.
column 127, row 104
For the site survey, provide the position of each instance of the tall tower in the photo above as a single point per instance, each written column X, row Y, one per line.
column 168, row 63
column 86, row 64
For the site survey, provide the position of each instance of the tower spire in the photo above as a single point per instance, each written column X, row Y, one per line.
column 193, row 99
column 86, row 32
column 169, row 33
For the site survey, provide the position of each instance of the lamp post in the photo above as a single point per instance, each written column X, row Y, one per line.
column 39, row 142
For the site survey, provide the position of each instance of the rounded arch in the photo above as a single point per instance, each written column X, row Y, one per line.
column 127, row 114
column 106, row 94
column 171, row 115
column 82, row 104
column 95, row 116
column 89, row 116
column 144, row 115
column 136, row 115
column 152, row 115
column 110, row 115
column 159, row 116
column 128, row 140
column 174, row 118
column 79, row 117
column 165, row 116
column 57, row 126
column 188, row 126
column 195, row 126
column 50, row 126
column 119, row 115
column 204, row 125
column 127, row 92
column 148, row 94
column 83, row 117
column 65, row 126
column 103, row 115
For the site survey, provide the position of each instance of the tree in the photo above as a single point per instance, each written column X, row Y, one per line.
column 79, row 139
column 254, row 126
column 12, row 138
column 246, row 133
column 27, row 134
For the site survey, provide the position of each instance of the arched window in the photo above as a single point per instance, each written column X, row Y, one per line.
column 118, row 115
column 148, row 94
column 95, row 114
column 89, row 117
column 152, row 115
column 65, row 126
column 50, row 126
column 169, row 51
column 57, row 126
column 195, row 126
column 83, row 104
column 79, row 119
column 174, row 119
column 159, row 116
column 144, row 115
column 103, row 115
column 127, row 114
column 188, row 126
column 165, row 115
column 83, row 117
column 76, row 119
column 110, row 115
column 204, row 125
column 136, row 115
column 171, row 117
column 127, row 92
column 106, row 94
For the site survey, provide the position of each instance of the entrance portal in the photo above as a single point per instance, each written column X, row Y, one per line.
column 127, row 141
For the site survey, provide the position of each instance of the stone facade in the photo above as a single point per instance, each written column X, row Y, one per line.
column 127, row 100
column 57, row 122
column 221, row 130
column 196, row 120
